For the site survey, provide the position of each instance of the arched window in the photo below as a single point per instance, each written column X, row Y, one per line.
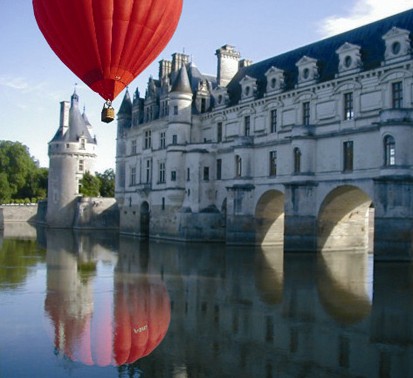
column 297, row 160
column 238, row 166
column 389, row 151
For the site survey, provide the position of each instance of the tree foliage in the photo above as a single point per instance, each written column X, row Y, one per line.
column 107, row 183
column 102, row 184
column 20, row 176
column 89, row 185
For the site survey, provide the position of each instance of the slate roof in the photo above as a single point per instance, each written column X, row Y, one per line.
column 368, row 37
column 126, row 106
column 182, row 83
column 195, row 77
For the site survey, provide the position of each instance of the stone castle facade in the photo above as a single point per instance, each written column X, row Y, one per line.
column 296, row 149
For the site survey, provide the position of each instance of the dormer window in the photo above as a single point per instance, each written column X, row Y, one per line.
column 273, row 83
column 248, row 87
column 349, row 57
column 307, row 70
column 220, row 96
column 397, row 42
column 275, row 80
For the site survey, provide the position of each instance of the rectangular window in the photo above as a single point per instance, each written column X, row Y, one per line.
column 306, row 113
column 163, row 203
column 162, row 172
column 173, row 175
column 238, row 166
column 82, row 143
column 203, row 105
column 297, row 160
column 148, row 171
column 247, row 125
column 206, row 173
column 133, row 176
column 348, row 106
column 81, row 165
column 188, row 174
column 273, row 163
column 219, row 169
column 273, row 121
column 219, row 132
column 389, row 150
column 397, row 95
column 133, row 147
column 175, row 110
column 162, row 141
column 348, row 156
column 148, row 137
column 174, row 139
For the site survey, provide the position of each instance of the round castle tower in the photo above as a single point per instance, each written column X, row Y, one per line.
column 178, row 134
column 72, row 152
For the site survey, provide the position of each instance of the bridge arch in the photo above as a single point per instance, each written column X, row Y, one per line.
column 269, row 216
column 343, row 220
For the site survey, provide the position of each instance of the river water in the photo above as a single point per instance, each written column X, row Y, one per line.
column 79, row 304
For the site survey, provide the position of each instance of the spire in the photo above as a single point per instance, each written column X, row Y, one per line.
column 126, row 106
column 74, row 99
column 182, row 83
column 85, row 117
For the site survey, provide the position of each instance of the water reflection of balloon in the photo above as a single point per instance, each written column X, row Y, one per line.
column 113, row 323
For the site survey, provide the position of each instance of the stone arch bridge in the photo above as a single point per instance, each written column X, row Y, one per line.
column 373, row 215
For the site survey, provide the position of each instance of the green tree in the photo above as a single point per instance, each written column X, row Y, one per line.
column 5, row 189
column 89, row 185
column 20, row 175
column 107, row 183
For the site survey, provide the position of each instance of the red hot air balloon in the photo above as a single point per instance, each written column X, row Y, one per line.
column 107, row 43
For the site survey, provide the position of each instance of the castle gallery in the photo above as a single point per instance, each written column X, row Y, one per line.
column 310, row 148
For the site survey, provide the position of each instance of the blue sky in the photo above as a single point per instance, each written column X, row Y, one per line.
column 33, row 80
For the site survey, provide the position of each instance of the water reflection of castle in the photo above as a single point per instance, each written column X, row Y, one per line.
column 101, row 322
column 260, row 312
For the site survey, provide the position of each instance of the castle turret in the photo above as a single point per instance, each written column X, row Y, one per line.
column 72, row 152
column 180, row 108
column 179, row 127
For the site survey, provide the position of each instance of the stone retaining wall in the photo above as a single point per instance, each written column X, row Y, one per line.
column 18, row 213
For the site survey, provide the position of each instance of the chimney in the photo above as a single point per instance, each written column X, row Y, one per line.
column 165, row 68
column 64, row 116
column 178, row 60
column 228, row 59
column 245, row 63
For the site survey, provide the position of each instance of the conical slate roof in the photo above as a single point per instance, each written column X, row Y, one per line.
column 181, row 83
column 85, row 118
column 126, row 106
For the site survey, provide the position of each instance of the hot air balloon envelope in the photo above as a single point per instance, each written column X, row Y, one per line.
column 107, row 43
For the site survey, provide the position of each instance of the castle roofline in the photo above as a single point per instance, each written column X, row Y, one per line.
column 368, row 37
